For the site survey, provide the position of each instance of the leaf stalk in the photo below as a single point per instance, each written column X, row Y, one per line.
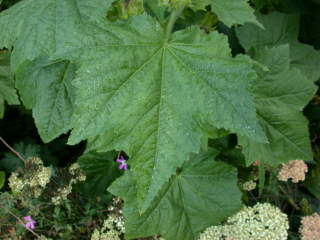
column 175, row 14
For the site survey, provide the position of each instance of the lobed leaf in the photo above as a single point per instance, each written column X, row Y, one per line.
column 203, row 192
column 279, row 96
column 156, row 98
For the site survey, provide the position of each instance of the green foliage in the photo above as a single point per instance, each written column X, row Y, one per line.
column 123, row 9
column 31, row 38
column 100, row 169
column 2, row 179
column 153, row 82
column 73, row 218
column 279, row 95
column 7, row 92
column 167, row 85
column 10, row 162
column 203, row 192
column 45, row 87
column 230, row 12
column 282, row 29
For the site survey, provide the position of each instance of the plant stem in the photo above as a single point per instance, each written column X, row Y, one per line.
column 12, row 150
column 290, row 199
column 172, row 20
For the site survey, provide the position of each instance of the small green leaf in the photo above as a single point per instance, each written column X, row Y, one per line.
column 7, row 91
column 282, row 29
column 45, row 87
column 203, row 192
column 230, row 12
column 100, row 170
column 2, row 177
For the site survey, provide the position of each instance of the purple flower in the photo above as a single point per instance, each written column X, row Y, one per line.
column 123, row 165
column 30, row 223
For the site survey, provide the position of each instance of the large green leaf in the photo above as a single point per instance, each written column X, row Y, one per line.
column 230, row 12
column 280, row 95
column 7, row 91
column 45, row 87
column 202, row 193
column 282, row 29
column 100, row 170
column 38, row 27
column 156, row 98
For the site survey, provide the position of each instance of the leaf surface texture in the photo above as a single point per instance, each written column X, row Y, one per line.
column 155, row 98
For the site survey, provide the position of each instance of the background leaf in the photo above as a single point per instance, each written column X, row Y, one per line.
column 282, row 29
column 230, row 12
column 100, row 170
column 11, row 162
column 2, row 175
column 202, row 193
column 280, row 95
column 7, row 91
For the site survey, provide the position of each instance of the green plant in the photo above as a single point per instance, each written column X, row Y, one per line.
column 141, row 80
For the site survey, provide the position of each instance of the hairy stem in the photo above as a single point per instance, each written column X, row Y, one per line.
column 172, row 20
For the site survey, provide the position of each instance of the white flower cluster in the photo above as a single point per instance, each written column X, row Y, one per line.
column 15, row 183
column 295, row 170
column 33, row 178
column 77, row 173
column 260, row 222
column 249, row 185
column 113, row 228
column 63, row 192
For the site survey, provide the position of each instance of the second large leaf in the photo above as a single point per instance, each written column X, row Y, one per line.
column 156, row 97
